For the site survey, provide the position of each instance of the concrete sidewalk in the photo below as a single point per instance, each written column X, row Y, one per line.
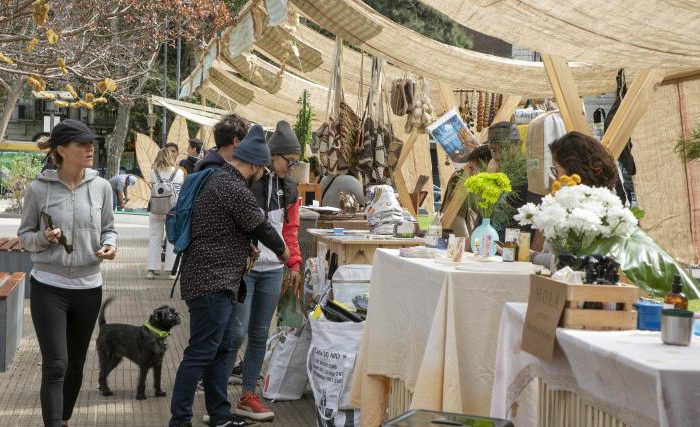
column 136, row 298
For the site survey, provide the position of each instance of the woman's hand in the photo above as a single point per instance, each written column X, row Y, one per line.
column 293, row 283
column 52, row 235
column 106, row 252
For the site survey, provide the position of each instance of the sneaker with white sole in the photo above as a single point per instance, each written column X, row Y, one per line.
column 150, row 275
column 250, row 406
column 232, row 421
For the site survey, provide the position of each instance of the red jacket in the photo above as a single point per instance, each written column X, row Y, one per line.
column 290, row 233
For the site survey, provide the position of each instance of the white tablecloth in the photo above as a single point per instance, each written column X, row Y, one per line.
column 630, row 375
column 435, row 328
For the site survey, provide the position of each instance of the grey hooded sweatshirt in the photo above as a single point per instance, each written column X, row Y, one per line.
column 84, row 215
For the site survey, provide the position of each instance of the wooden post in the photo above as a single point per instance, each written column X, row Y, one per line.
column 399, row 180
column 450, row 211
column 631, row 110
column 566, row 93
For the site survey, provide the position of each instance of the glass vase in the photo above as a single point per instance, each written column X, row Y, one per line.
column 484, row 229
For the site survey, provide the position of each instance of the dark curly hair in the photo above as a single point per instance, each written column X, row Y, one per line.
column 231, row 126
column 583, row 155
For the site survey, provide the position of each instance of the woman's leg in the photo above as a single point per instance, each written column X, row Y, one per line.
column 82, row 315
column 266, row 295
column 155, row 242
column 49, row 307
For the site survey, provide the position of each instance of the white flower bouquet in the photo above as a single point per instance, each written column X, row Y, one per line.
column 574, row 217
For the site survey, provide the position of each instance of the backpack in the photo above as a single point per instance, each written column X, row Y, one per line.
column 179, row 218
column 163, row 195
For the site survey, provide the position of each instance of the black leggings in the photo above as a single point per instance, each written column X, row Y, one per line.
column 63, row 320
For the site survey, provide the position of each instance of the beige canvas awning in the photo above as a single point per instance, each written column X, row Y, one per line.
column 622, row 33
column 204, row 116
column 363, row 27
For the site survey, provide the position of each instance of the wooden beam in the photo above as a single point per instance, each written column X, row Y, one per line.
column 631, row 110
column 566, row 93
column 449, row 213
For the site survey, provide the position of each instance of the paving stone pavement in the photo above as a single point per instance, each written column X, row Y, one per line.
column 136, row 298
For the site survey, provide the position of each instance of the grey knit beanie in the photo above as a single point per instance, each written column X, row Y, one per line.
column 253, row 149
column 284, row 140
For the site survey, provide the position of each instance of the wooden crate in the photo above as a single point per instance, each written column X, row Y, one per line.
column 600, row 320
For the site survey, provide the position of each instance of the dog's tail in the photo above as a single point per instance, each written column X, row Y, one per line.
column 102, row 320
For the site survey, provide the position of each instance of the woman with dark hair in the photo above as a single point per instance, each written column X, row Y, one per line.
column 576, row 153
column 68, row 227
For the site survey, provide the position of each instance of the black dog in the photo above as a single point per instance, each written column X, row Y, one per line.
column 144, row 345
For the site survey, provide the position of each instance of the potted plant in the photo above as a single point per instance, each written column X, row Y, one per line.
column 488, row 189
column 302, row 128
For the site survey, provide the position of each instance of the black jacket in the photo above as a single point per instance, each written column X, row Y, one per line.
column 211, row 160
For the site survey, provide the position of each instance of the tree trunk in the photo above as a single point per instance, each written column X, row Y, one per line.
column 9, row 106
column 116, row 140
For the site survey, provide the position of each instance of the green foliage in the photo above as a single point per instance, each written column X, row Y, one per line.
column 424, row 20
column 638, row 213
column 689, row 148
column 302, row 127
column 21, row 171
column 489, row 187
column 514, row 166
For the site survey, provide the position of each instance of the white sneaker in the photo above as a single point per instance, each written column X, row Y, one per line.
column 173, row 277
column 205, row 419
column 150, row 275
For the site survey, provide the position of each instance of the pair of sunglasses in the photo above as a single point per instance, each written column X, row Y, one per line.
column 62, row 239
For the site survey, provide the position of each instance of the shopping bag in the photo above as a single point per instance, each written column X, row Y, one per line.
column 286, row 377
column 350, row 281
column 289, row 311
column 331, row 360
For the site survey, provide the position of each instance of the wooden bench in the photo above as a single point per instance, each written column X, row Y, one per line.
column 13, row 258
column 11, row 315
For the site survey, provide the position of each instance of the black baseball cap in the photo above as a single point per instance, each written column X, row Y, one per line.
column 70, row 130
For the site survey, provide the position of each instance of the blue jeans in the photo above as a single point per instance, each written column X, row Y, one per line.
column 254, row 317
column 206, row 357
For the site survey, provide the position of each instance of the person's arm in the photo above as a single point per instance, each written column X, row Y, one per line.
column 108, row 234
column 240, row 203
column 290, row 233
column 31, row 234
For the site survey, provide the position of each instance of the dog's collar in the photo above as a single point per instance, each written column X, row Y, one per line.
column 158, row 332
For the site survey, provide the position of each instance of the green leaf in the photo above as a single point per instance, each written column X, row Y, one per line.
column 645, row 263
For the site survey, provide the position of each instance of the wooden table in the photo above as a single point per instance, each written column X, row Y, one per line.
column 357, row 248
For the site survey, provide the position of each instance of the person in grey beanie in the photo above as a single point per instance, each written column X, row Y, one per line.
column 277, row 194
column 225, row 220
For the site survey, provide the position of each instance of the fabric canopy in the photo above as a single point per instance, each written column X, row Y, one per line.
column 205, row 116
column 360, row 25
column 622, row 33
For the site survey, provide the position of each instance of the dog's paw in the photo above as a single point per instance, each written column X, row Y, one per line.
column 140, row 397
column 161, row 393
column 107, row 392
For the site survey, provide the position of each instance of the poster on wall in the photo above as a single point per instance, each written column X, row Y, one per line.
column 453, row 135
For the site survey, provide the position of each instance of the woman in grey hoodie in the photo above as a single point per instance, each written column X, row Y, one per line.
column 68, row 226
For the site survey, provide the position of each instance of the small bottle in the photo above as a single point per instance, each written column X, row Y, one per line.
column 676, row 298
column 510, row 248
column 524, row 247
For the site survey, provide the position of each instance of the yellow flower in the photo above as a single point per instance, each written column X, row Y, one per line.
column 90, row 97
column 62, row 65
column 41, row 12
column 87, row 105
column 73, row 93
column 75, row 104
column 62, row 104
column 564, row 180
column 556, row 186
column 5, row 59
column 36, row 83
column 107, row 85
column 100, row 100
column 576, row 178
column 51, row 36
column 32, row 44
